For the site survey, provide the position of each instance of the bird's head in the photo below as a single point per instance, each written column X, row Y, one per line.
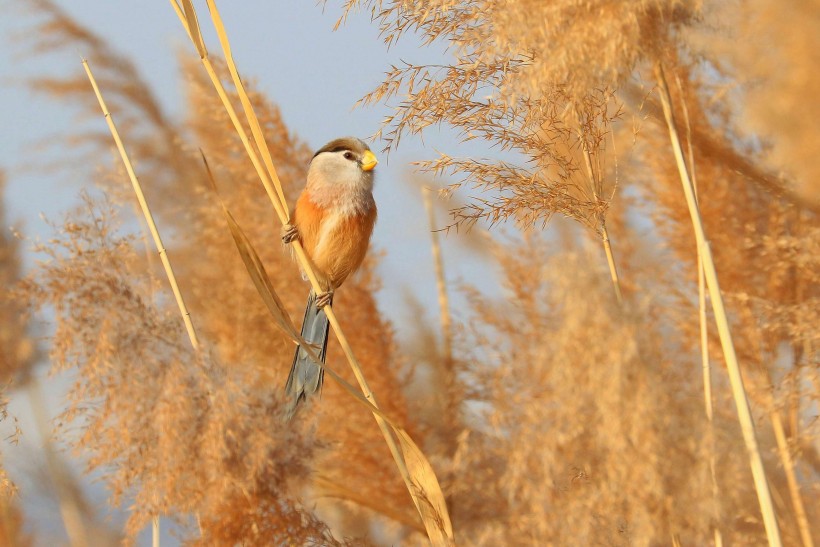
column 345, row 163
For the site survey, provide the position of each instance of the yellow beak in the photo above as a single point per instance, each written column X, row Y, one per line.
column 369, row 161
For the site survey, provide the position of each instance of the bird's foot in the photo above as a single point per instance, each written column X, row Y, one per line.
column 324, row 299
column 289, row 233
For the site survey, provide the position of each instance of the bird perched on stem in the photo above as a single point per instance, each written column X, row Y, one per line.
column 333, row 219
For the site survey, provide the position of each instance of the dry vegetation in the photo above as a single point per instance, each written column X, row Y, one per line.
column 568, row 416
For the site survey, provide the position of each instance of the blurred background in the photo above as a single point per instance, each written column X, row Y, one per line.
column 556, row 406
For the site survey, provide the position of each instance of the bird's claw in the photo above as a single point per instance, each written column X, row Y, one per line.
column 324, row 299
column 289, row 233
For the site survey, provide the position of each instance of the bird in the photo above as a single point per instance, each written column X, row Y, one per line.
column 333, row 219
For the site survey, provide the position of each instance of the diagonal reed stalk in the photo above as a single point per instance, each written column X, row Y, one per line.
column 706, row 365
column 152, row 227
column 791, row 478
column 706, row 368
column 721, row 318
column 783, row 449
column 774, row 415
column 149, row 218
column 424, row 490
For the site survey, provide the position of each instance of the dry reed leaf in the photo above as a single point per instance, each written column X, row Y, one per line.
column 424, row 486
column 256, row 270
column 260, row 278
column 425, row 489
column 423, row 483
column 429, row 498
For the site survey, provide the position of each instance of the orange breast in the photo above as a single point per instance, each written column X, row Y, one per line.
column 307, row 218
column 335, row 243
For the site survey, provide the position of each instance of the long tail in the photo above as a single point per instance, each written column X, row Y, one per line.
column 305, row 376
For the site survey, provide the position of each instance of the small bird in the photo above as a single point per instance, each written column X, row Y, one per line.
column 333, row 219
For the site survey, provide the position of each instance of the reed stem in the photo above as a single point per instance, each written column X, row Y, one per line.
column 593, row 184
column 721, row 317
column 152, row 227
column 706, row 365
column 267, row 174
column 149, row 218
column 791, row 478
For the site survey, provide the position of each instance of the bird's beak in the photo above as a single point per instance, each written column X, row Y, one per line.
column 369, row 160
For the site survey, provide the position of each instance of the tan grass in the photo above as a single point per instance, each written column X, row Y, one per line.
column 497, row 49
column 17, row 358
column 126, row 307
column 579, row 420
column 149, row 483
column 188, row 402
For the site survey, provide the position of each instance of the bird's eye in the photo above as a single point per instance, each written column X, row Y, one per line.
column 348, row 155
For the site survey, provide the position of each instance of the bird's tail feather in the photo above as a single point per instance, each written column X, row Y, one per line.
column 305, row 376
